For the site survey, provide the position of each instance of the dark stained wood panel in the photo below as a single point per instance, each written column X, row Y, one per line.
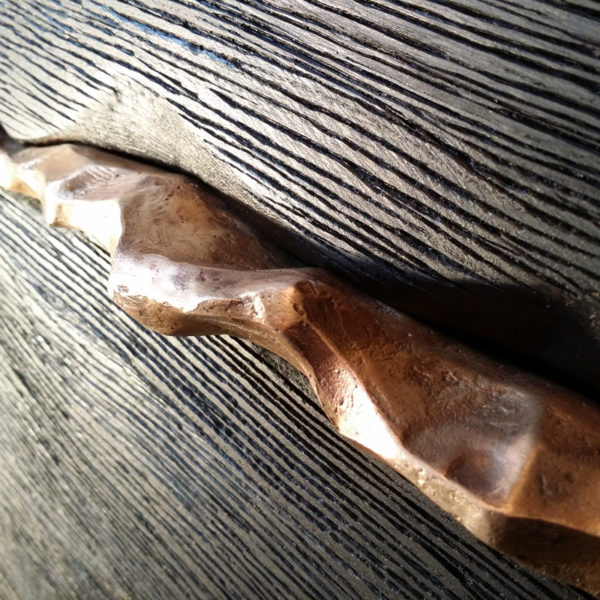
column 444, row 155
column 138, row 466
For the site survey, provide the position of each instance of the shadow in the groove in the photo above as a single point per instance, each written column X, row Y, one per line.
column 540, row 330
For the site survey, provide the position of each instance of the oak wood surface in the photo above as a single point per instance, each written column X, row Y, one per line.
column 139, row 466
column 444, row 155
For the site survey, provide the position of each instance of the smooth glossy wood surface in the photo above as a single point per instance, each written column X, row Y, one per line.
column 140, row 466
column 444, row 155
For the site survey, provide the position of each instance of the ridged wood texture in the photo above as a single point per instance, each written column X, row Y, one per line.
column 138, row 466
column 444, row 155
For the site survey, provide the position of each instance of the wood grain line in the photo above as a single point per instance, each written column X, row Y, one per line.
column 445, row 155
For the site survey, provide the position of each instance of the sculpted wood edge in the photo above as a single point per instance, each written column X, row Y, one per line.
column 515, row 459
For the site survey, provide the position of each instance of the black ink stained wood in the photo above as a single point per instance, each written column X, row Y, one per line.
column 443, row 155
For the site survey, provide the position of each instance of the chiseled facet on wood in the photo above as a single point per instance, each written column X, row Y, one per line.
column 513, row 458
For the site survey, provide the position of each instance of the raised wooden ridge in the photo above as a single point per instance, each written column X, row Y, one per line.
column 136, row 465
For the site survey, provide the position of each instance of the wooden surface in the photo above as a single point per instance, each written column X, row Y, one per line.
column 445, row 156
column 140, row 466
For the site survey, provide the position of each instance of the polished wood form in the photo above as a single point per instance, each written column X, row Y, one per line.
column 513, row 458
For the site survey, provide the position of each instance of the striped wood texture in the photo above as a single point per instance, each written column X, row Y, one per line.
column 442, row 154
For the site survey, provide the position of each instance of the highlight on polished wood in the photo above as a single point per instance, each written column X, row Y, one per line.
column 514, row 458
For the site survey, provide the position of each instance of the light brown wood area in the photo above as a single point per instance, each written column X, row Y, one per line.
column 135, row 465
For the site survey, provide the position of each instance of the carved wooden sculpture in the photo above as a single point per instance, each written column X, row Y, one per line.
column 513, row 458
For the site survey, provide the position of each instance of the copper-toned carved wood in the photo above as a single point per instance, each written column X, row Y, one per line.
column 515, row 459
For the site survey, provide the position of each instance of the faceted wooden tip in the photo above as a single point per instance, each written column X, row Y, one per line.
column 515, row 459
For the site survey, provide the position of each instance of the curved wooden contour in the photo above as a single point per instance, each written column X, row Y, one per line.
column 513, row 458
